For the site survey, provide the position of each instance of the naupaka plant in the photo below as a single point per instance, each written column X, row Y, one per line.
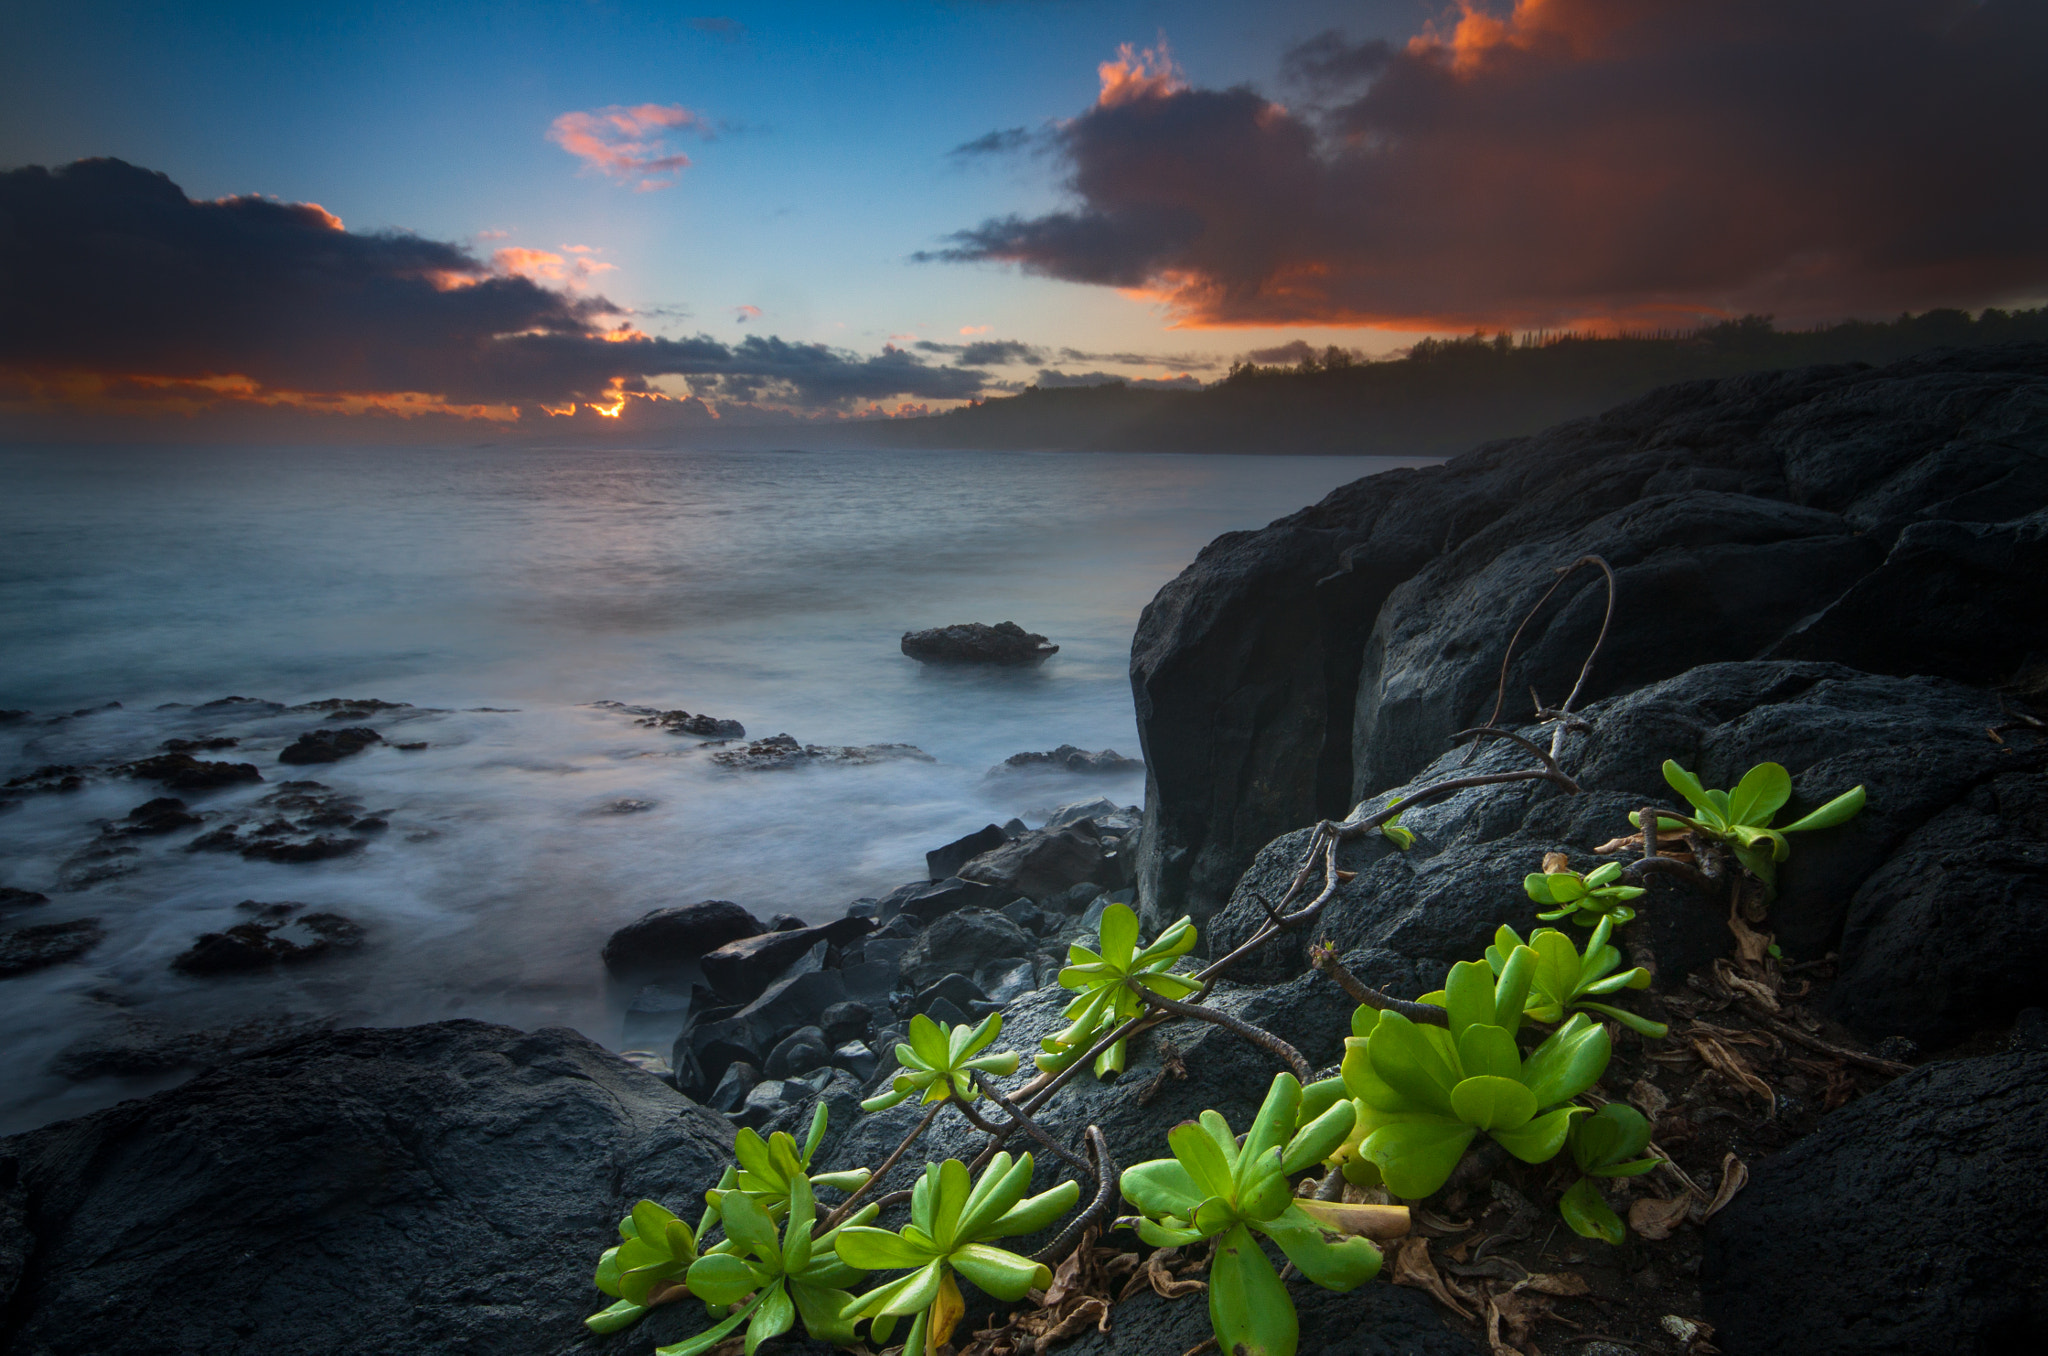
column 953, row 1224
column 1604, row 1144
column 1568, row 979
column 1585, row 899
column 1741, row 818
column 1109, row 987
column 654, row 1252
column 769, row 1169
column 769, row 1278
column 1424, row 1092
column 1213, row 1187
column 940, row 1061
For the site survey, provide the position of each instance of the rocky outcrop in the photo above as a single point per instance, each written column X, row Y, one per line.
column 329, row 746
column 1068, row 758
column 665, row 941
column 1004, row 643
column 1908, row 1223
column 1891, row 519
column 438, row 1189
column 32, row 948
column 782, row 753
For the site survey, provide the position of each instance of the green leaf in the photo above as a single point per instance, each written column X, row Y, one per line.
column 1119, row 932
column 1320, row 1138
column 1166, row 1236
column 1003, row 1184
column 1588, row 1213
column 710, row 1337
column 1406, row 1060
column 1511, row 992
column 927, row 1041
column 822, row 1309
column 1274, row 1125
column 1840, row 810
column 1488, row 1049
column 1000, row 1272
column 651, row 1221
column 1331, row 1259
column 618, row 1317
column 607, row 1277
column 773, row 1316
column 905, row 1295
column 1687, row 785
column 1031, row 1215
column 1538, row 1141
column 876, row 1249
column 1469, row 989
column 1640, row 1025
column 1161, row 1186
column 720, row 1278
column 748, row 1225
column 817, row 1132
column 1568, row 1062
column 1416, row 1157
column 1212, row 1173
column 1761, row 793
column 1248, row 1306
column 1493, row 1104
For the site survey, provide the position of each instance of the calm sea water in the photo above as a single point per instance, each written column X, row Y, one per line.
column 766, row 587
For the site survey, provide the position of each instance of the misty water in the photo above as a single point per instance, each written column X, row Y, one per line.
column 765, row 587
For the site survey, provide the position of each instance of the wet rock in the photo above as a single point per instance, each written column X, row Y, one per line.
column 843, row 1022
column 856, row 1059
column 782, row 753
column 966, row 943
column 664, row 941
column 1067, row 758
column 1014, row 982
column 241, row 706
column 213, row 744
column 798, row 1053
column 261, row 945
column 183, row 772
column 956, row 989
column 1907, row 1223
column 733, row 1086
column 13, row 898
column 715, row 1046
column 57, row 777
column 1374, row 1320
column 1109, row 818
column 740, row 969
column 329, row 746
column 944, row 861
column 44, row 944
column 14, row 716
column 165, row 814
column 1883, row 518
column 766, row 1101
column 371, row 1150
column 315, row 849
column 927, row 901
column 342, row 707
column 797, row 999
column 978, row 643
column 1025, row 915
column 682, row 722
column 1040, row 864
column 134, row 1046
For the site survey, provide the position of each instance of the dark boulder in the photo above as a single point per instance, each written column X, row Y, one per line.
column 1907, row 1223
column 798, row 1053
column 1884, row 518
column 329, row 746
column 739, row 970
column 667, row 940
column 843, row 1022
column 1067, row 758
column 927, row 901
column 32, row 948
column 734, row 1084
column 183, row 772
column 1377, row 1319
column 962, row 992
column 978, row 643
column 964, row 943
column 439, row 1189
column 1041, row 864
column 712, row 1047
column 165, row 814
column 944, row 861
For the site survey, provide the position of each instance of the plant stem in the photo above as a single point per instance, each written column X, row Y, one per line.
column 1324, row 958
column 1106, row 1177
column 1258, row 1036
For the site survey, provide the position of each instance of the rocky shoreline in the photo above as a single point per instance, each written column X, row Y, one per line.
column 1837, row 569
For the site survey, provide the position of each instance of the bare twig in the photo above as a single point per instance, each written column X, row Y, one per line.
column 845, row 1207
column 1324, row 958
column 1258, row 1036
column 1018, row 1117
column 1495, row 732
column 1106, row 1176
column 1792, row 1033
column 1564, row 573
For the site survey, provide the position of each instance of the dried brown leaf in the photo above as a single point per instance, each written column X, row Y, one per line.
column 1655, row 1219
column 1734, row 1177
column 1648, row 1097
column 1731, row 1066
column 1556, row 1283
column 1556, row 863
column 1088, row 1313
column 1413, row 1267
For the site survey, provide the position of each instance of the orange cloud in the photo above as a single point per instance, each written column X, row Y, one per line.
column 743, row 314
column 974, row 329
column 546, row 266
column 1135, row 75
column 626, row 143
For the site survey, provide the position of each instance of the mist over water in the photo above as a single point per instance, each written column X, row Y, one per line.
column 765, row 587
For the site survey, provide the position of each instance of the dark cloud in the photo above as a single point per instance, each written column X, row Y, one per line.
column 1004, row 142
column 1329, row 62
column 1577, row 160
column 985, row 352
column 1051, row 378
column 110, row 271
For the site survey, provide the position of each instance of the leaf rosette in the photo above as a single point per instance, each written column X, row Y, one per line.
column 1568, row 979
column 1604, row 1144
column 1585, row 899
column 940, row 1059
column 1107, row 985
column 1741, row 818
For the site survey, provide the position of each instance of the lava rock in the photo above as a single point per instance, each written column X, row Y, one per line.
column 45, row 944
column 329, row 746
column 260, row 945
column 845, row 1022
column 12, row 898
column 714, row 1046
column 739, row 970
column 782, row 753
column 362, row 1153
column 964, row 943
column 211, row 745
column 956, row 989
column 683, row 723
column 978, row 643
column 798, row 1053
column 1067, row 758
column 928, row 901
column 1109, row 818
column 1886, row 518
column 944, row 861
column 1373, row 1320
column 1906, row 1223
column 134, row 1046
column 734, row 1084
column 856, row 1059
column 1040, row 864
column 183, row 772
column 165, row 814
column 668, row 940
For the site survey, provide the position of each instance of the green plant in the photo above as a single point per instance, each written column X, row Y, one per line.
column 1423, row 1092
column 1741, row 818
column 1106, row 987
column 654, row 1251
column 1566, row 978
column 788, row 1275
column 768, row 1169
column 940, row 1059
column 952, row 1224
column 1604, row 1144
column 1395, row 833
column 1212, row 1188
column 1584, row 899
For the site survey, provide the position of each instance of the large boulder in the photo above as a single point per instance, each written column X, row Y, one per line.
column 1041, row 863
column 740, row 970
column 667, row 940
column 978, row 643
column 433, row 1190
column 1908, row 1223
column 1922, row 852
column 1885, row 518
column 969, row 942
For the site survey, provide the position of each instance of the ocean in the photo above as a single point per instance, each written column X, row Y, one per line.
column 502, row 594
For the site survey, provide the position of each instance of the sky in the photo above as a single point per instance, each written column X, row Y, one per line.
column 441, row 218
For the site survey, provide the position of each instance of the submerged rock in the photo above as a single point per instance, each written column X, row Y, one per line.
column 678, row 722
column 32, row 948
column 329, row 746
column 1067, row 758
column 978, row 643
column 781, row 753
column 183, row 772
column 261, row 945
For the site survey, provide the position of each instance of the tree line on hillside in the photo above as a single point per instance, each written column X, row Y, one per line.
column 1442, row 396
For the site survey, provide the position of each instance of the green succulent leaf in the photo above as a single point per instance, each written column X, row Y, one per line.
column 1107, row 985
column 1588, row 1213
column 1248, row 1306
column 1328, row 1257
column 1416, row 1157
column 1493, row 1104
column 620, row 1316
column 1840, row 810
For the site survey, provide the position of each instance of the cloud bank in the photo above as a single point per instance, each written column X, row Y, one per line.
column 1572, row 161
column 117, row 288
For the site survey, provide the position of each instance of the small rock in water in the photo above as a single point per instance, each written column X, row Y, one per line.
column 328, row 746
column 978, row 643
column 183, row 772
column 212, row 745
column 625, row 805
column 32, row 948
column 260, row 945
column 165, row 814
column 780, row 753
column 1067, row 758
column 682, row 722
column 12, row 898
